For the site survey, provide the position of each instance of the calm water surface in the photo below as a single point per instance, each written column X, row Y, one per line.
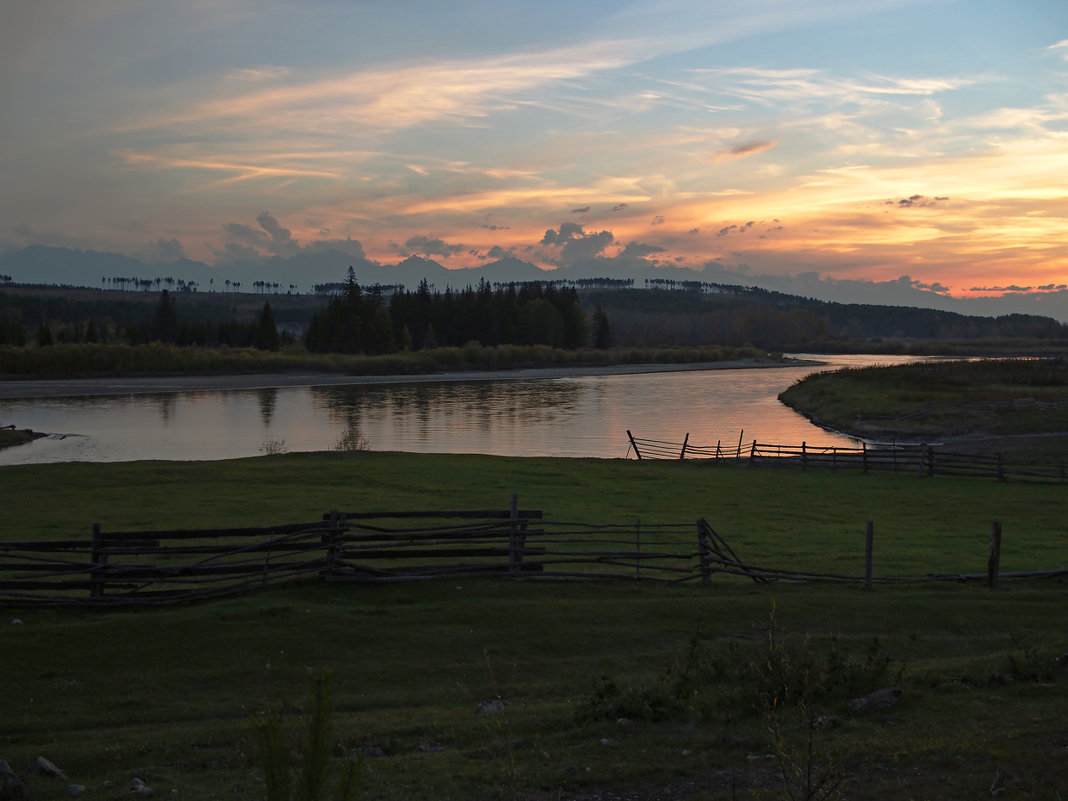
column 582, row 416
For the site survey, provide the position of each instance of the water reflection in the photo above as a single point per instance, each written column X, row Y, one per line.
column 268, row 398
column 581, row 416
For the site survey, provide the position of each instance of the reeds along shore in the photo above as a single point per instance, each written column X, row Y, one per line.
column 112, row 360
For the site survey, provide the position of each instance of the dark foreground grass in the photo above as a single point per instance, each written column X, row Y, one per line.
column 170, row 695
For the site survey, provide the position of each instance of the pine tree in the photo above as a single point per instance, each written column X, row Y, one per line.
column 266, row 335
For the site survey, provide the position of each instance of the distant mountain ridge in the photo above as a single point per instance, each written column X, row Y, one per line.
column 44, row 264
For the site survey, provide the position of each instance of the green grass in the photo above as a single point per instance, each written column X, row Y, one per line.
column 777, row 517
column 1003, row 398
column 169, row 695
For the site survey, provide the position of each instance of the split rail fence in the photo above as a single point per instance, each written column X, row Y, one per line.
column 921, row 460
column 114, row 568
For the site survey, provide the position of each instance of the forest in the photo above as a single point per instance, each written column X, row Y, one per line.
column 691, row 314
column 525, row 314
column 105, row 317
column 344, row 317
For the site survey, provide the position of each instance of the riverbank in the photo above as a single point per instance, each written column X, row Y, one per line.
column 985, row 406
column 11, row 436
column 141, row 385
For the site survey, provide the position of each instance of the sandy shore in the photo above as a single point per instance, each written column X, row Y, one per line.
column 141, row 385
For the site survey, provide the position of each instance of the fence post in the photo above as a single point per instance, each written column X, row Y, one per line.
column 993, row 562
column 682, row 453
column 752, row 451
column 804, row 456
column 702, row 553
column 638, row 549
column 718, row 441
column 864, row 455
column 930, row 461
column 869, row 537
column 634, row 445
column 331, row 540
column 99, row 560
column 514, row 557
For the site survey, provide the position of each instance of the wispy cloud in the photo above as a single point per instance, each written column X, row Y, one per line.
column 394, row 98
column 743, row 150
column 1060, row 48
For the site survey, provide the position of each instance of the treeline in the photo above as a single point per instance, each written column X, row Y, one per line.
column 164, row 326
column 67, row 321
column 516, row 314
column 733, row 315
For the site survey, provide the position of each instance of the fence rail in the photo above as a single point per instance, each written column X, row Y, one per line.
column 923, row 460
column 162, row 567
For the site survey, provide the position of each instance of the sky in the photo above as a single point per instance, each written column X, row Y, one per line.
column 866, row 140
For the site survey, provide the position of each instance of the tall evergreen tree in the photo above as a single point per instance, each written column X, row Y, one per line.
column 266, row 334
column 165, row 320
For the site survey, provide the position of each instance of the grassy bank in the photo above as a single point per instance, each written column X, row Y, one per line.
column 694, row 670
column 84, row 360
column 17, row 436
column 1026, row 400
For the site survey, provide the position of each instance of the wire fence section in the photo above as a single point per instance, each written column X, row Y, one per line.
column 922, row 460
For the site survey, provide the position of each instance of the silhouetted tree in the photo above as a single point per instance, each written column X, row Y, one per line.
column 165, row 320
column 266, row 335
column 602, row 332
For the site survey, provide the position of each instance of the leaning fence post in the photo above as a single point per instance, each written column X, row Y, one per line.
column 682, row 453
column 702, row 553
column 98, row 560
column 993, row 562
column 869, row 537
column 634, row 445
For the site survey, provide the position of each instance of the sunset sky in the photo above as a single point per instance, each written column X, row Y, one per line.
column 866, row 139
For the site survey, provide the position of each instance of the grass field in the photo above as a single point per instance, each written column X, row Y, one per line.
column 718, row 683
column 1003, row 404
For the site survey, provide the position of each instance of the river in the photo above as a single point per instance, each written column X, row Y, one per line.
column 575, row 416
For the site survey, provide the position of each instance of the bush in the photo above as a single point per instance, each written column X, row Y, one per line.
column 312, row 774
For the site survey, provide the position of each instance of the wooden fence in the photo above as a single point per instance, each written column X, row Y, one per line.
column 164, row 567
column 922, row 460
column 114, row 568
